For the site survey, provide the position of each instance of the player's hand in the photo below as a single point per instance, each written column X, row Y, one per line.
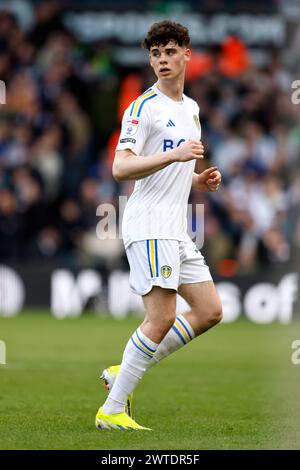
column 190, row 150
column 209, row 180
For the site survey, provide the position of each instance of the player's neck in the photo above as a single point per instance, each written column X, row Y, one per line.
column 172, row 89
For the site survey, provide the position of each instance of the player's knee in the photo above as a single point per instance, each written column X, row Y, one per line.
column 161, row 326
column 166, row 322
column 216, row 315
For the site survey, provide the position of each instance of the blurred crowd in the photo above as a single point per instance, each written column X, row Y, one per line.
column 58, row 129
column 252, row 133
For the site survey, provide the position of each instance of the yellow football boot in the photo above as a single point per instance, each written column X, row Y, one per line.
column 117, row 421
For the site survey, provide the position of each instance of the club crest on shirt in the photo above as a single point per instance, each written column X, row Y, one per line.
column 131, row 126
column 196, row 119
column 166, row 271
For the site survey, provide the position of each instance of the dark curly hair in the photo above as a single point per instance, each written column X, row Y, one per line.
column 163, row 32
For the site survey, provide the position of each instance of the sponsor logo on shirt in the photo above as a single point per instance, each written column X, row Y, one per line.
column 169, row 144
column 126, row 140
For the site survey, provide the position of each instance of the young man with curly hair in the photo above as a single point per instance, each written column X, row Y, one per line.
column 158, row 148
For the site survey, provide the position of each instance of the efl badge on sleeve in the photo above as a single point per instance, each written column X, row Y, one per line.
column 131, row 126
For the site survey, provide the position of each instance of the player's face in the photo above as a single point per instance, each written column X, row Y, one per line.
column 169, row 61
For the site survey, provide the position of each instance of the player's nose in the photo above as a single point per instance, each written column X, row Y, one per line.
column 163, row 59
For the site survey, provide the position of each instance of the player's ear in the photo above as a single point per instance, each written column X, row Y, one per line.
column 188, row 54
column 150, row 60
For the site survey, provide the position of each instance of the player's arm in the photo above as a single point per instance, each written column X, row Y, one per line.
column 208, row 180
column 129, row 166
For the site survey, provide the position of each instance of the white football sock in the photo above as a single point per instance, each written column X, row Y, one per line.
column 178, row 336
column 136, row 360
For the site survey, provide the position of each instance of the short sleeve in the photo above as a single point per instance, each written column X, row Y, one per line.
column 135, row 131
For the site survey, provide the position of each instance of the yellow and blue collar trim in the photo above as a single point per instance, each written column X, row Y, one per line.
column 138, row 104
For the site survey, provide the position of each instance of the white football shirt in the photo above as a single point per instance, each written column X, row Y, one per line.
column 157, row 208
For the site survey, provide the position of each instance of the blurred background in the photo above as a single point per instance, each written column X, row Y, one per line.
column 70, row 69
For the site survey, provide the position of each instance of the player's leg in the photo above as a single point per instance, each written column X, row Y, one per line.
column 154, row 274
column 205, row 312
column 146, row 259
column 160, row 313
column 206, row 308
column 197, row 288
column 160, row 306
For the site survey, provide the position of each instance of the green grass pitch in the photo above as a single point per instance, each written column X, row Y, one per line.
column 235, row 387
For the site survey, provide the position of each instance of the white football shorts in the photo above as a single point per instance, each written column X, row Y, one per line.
column 165, row 263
